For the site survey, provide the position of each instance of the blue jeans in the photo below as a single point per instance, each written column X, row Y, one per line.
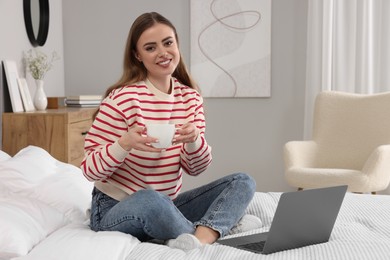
column 148, row 214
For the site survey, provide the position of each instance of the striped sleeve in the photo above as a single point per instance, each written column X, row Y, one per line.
column 103, row 154
column 196, row 156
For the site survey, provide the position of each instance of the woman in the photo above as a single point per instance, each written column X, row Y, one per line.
column 137, row 186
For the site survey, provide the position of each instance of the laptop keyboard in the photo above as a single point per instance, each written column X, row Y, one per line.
column 256, row 247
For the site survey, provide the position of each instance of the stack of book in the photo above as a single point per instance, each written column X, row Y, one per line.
column 83, row 101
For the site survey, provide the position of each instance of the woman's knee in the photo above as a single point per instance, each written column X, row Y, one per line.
column 137, row 210
column 246, row 181
column 151, row 200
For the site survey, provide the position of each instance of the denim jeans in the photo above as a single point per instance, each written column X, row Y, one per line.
column 148, row 214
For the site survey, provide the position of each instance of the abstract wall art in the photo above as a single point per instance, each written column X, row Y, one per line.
column 231, row 47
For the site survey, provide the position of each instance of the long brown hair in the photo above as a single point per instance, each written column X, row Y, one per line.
column 133, row 69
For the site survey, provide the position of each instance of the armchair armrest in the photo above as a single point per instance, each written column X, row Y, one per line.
column 300, row 154
column 377, row 166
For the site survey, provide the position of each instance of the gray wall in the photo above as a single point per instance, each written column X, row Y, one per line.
column 247, row 135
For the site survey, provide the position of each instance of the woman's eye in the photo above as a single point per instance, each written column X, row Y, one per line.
column 150, row 48
column 168, row 43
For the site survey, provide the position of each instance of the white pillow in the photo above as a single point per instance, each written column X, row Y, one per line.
column 4, row 156
column 34, row 173
column 28, row 167
column 67, row 190
column 24, row 223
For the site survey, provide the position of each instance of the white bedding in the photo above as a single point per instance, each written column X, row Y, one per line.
column 43, row 206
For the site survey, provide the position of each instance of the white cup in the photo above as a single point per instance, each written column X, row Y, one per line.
column 163, row 132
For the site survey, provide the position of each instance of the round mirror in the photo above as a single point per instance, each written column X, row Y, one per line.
column 36, row 19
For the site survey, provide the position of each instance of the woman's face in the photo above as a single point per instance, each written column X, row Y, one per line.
column 158, row 50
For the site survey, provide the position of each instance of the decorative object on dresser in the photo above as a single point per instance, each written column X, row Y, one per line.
column 55, row 102
column 40, row 98
column 25, row 94
column 38, row 64
column 60, row 131
column 83, row 101
column 12, row 75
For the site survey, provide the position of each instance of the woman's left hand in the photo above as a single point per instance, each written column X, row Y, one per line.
column 187, row 133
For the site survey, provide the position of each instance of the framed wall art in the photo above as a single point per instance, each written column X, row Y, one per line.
column 231, row 47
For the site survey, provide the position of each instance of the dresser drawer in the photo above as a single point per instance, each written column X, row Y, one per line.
column 61, row 132
column 77, row 132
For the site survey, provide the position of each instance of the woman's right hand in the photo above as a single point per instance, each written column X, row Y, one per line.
column 135, row 139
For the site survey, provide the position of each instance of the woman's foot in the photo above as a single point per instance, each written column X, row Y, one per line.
column 246, row 223
column 203, row 235
column 185, row 242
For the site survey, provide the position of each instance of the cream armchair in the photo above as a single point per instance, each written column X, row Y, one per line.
column 350, row 144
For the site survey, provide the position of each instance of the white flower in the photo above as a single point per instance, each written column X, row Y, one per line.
column 38, row 63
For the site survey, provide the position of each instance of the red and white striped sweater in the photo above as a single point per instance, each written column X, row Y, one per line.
column 118, row 172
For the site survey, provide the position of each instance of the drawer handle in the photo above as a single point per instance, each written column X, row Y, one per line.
column 84, row 133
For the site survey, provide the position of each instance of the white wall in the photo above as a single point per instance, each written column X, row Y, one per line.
column 247, row 135
column 14, row 42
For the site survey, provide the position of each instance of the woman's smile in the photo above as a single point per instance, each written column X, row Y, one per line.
column 164, row 63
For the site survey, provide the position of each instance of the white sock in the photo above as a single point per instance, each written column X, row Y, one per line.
column 246, row 223
column 184, row 242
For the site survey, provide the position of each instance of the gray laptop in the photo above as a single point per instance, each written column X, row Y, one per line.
column 301, row 218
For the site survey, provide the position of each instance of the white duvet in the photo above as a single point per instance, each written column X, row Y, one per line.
column 43, row 206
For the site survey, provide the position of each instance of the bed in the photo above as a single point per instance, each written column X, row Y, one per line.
column 44, row 206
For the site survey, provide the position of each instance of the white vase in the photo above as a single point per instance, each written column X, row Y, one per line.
column 40, row 99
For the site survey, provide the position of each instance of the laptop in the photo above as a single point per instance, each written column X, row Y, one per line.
column 301, row 218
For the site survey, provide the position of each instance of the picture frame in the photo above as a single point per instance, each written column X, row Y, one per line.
column 25, row 94
column 12, row 75
column 231, row 48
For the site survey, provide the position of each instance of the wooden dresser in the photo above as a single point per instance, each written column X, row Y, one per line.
column 59, row 131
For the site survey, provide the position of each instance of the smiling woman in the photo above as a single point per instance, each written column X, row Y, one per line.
column 130, row 171
column 36, row 19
